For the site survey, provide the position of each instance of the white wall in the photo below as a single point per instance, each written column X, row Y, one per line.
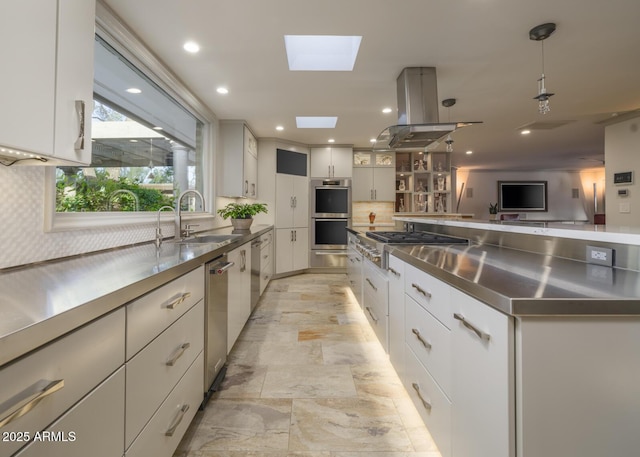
column 622, row 153
column 483, row 187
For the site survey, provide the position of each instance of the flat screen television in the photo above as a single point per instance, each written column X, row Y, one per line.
column 519, row 196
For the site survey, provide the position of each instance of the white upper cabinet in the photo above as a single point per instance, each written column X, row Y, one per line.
column 330, row 162
column 240, row 155
column 47, row 86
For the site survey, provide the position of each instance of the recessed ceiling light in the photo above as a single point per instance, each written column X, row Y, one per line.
column 331, row 140
column 525, row 132
column 469, row 152
column 157, row 128
column 191, row 46
column 321, row 52
column 372, row 140
column 134, row 90
column 316, row 122
column 387, row 110
column 222, row 90
column 133, row 141
column 279, row 128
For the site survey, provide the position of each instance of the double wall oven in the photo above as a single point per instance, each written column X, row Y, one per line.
column 330, row 217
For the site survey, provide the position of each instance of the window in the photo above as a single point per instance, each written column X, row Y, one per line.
column 146, row 147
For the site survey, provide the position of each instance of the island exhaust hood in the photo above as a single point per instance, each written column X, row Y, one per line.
column 418, row 119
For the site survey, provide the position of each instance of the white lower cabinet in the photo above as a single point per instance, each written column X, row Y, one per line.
column 239, row 292
column 60, row 374
column 483, row 379
column 375, row 301
column 266, row 260
column 396, row 313
column 163, row 432
column 459, row 364
column 292, row 249
column 153, row 372
column 430, row 341
column 432, row 404
column 93, row 427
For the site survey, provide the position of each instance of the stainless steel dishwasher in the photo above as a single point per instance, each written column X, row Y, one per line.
column 215, row 330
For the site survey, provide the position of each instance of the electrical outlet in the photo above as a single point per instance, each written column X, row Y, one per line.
column 600, row 256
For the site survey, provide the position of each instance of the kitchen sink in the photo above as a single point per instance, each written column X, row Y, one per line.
column 205, row 239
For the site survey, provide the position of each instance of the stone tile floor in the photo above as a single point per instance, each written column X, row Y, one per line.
column 308, row 378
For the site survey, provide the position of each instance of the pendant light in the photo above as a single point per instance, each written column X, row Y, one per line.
column 448, row 103
column 540, row 33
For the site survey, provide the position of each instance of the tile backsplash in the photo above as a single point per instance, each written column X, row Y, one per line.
column 24, row 241
column 361, row 210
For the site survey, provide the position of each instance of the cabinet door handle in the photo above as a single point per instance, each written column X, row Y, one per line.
column 80, row 110
column 291, row 202
column 246, row 187
column 425, row 403
column 30, row 399
column 177, row 420
column 333, row 171
column 393, row 271
column 375, row 194
column 179, row 353
column 179, row 300
column 243, row 260
column 482, row 335
column 295, row 235
column 373, row 316
column 329, row 170
column 371, row 284
column 421, row 290
column 253, row 189
column 371, row 194
column 416, row 332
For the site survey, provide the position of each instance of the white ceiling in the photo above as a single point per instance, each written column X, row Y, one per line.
column 481, row 49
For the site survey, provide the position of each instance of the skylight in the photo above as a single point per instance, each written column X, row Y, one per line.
column 316, row 122
column 321, row 52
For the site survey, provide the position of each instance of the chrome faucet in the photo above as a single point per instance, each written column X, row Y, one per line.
column 158, row 229
column 179, row 232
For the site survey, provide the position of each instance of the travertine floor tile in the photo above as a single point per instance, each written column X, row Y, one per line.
column 347, row 424
column 308, row 378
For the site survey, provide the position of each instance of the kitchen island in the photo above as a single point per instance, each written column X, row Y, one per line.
column 514, row 345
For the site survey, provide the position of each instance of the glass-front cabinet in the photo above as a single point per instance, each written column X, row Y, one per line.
column 373, row 159
column 423, row 182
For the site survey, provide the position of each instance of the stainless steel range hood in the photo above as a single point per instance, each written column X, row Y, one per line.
column 418, row 119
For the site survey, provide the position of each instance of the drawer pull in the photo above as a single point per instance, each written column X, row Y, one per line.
column 416, row 332
column 177, row 421
column 373, row 316
column 371, row 284
column 425, row 403
column 179, row 300
column 393, row 271
column 482, row 335
column 172, row 361
column 421, row 290
column 32, row 396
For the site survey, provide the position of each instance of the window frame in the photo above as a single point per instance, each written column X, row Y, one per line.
column 120, row 37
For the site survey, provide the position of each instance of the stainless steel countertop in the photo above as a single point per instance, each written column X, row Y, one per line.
column 522, row 283
column 41, row 302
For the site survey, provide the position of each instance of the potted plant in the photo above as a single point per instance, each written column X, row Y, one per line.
column 493, row 210
column 241, row 214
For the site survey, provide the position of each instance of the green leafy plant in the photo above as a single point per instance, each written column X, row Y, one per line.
column 493, row 208
column 242, row 210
